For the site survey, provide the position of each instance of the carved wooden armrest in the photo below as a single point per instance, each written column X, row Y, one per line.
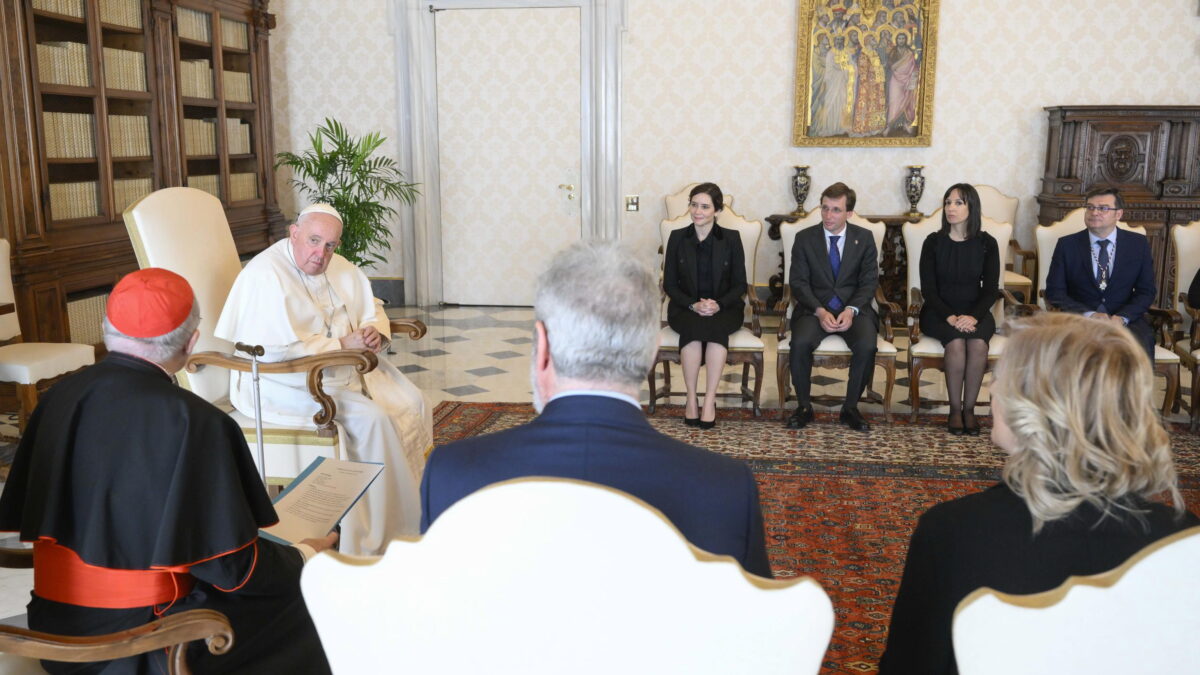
column 1027, row 256
column 786, row 300
column 361, row 360
column 755, row 325
column 914, row 312
column 16, row 558
column 414, row 328
column 1167, row 322
column 1016, row 308
column 174, row 631
column 887, row 310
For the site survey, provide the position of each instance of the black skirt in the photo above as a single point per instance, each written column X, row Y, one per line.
column 716, row 328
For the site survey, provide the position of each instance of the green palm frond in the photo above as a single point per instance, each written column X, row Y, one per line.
column 339, row 169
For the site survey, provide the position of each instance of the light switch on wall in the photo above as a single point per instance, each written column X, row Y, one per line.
column 631, row 202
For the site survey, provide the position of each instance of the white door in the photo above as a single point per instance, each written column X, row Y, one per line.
column 509, row 137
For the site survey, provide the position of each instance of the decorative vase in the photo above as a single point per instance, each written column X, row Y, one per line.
column 801, row 182
column 914, row 187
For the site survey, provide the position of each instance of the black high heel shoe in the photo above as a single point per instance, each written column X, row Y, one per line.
column 706, row 425
column 970, row 428
column 691, row 421
column 958, row 430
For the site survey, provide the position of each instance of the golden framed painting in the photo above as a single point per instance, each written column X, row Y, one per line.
column 864, row 72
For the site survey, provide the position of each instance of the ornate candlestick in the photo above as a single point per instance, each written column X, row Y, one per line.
column 801, row 182
column 914, row 187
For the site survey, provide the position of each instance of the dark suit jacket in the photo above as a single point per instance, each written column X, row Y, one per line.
column 1071, row 286
column 986, row 539
column 710, row 498
column 811, row 277
column 728, row 273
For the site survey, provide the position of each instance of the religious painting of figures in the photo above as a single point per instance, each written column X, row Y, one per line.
column 864, row 72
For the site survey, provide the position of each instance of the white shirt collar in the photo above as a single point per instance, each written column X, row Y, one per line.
column 598, row 392
column 1112, row 237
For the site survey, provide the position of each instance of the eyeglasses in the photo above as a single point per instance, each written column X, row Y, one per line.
column 1101, row 209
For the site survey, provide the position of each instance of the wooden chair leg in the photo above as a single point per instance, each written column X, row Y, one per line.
column 782, row 371
column 1171, row 372
column 27, row 397
column 667, row 379
column 758, row 378
column 914, row 386
column 890, row 369
column 650, row 384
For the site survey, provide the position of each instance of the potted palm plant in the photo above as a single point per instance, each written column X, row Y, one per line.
column 340, row 170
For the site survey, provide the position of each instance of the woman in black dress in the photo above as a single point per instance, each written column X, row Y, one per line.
column 705, row 278
column 1088, row 464
column 960, row 277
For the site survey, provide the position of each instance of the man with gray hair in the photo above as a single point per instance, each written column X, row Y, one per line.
column 141, row 499
column 595, row 336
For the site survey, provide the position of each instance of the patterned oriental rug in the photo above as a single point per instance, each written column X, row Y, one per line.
column 839, row 506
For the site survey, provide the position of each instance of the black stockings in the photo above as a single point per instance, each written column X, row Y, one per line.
column 965, row 361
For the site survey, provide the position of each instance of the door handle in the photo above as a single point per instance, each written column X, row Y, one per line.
column 565, row 186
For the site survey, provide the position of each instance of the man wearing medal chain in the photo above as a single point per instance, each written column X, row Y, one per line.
column 1104, row 272
column 299, row 298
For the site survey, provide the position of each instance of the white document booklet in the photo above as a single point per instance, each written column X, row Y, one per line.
column 317, row 500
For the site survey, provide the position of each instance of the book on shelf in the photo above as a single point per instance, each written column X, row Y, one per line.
column 235, row 34
column 209, row 183
column 237, row 86
column 126, row 191
column 65, row 7
column 129, row 135
column 196, row 78
column 124, row 69
column 200, row 136
column 63, row 63
column 68, row 135
column 73, row 200
column 243, row 186
column 237, row 135
column 126, row 13
column 193, row 25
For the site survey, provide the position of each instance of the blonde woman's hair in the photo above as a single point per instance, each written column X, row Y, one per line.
column 1076, row 394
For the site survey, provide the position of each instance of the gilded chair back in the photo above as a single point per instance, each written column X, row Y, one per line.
column 1047, row 237
column 567, row 562
column 1186, row 240
column 677, row 203
column 1138, row 618
column 1001, row 208
column 184, row 230
column 10, row 326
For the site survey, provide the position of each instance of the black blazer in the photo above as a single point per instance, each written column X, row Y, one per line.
column 729, row 269
column 1071, row 286
column 710, row 498
column 811, row 277
column 986, row 539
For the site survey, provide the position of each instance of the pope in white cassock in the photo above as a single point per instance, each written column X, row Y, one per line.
column 299, row 298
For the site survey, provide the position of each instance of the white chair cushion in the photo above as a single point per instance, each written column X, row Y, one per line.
column 1164, row 355
column 742, row 341
column 32, row 362
column 932, row 348
column 835, row 345
column 1011, row 278
column 11, row 664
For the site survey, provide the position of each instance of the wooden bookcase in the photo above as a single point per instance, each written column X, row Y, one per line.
column 102, row 101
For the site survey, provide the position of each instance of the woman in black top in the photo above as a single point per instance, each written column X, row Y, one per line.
column 1088, row 459
column 1193, row 298
column 705, row 278
column 960, row 277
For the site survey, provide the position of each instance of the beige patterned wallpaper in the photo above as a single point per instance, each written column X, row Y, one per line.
column 707, row 88
column 332, row 63
column 708, row 96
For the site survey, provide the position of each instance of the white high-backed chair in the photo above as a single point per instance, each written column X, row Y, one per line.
column 1002, row 208
column 1185, row 240
column 833, row 352
column 1166, row 361
column 925, row 352
column 185, row 230
column 575, row 578
column 1139, row 618
column 745, row 345
column 29, row 364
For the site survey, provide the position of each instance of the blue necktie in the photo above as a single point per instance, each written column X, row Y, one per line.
column 1102, row 264
column 835, row 262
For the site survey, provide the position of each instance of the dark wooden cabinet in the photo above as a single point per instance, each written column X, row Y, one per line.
column 102, row 101
column 1150, row 153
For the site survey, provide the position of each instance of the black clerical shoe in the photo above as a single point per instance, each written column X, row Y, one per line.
column 854, row 419
column 800, row 418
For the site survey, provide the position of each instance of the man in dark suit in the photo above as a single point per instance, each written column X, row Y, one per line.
column 1104, row 272
column 595, row 339
column 835, row 271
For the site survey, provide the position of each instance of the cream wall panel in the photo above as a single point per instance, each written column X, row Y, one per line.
column 333, row 59
column 708, row 96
